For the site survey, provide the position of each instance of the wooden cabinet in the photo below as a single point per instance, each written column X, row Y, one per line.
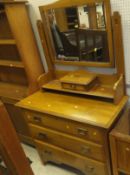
column 120, row 145
column 68, row 130
column 123, row 155
column 20, row 63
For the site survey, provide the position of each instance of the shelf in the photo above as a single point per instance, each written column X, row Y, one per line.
column 7, row 41
column 112, row 92
column 98, row 91
column 13, row 91
column 8, row 63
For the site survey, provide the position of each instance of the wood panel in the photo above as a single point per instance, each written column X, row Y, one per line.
column 41, row 31
column 11, row 52
column 7, row 41
column 17, row 92
column 5, row 31
column 17, row 119
column 118, row 44
column 123, row 156
column 13, row 76
column 16, row 64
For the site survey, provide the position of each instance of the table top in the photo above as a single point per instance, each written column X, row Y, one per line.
column 84, row 110
column 80, row 77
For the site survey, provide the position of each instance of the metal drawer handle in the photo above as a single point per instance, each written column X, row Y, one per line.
column 73, row 86
column 128, row 149
column 85, row 150
column 37, row 119
column 82, row 131
column 42, row 136
column 90, row 169
column 48, row 152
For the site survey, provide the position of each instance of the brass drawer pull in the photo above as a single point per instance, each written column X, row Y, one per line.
column 85, row 150
column 128, row 149
column 48, row 152
column 89, row 169
column 82, row 131
column 37, row 119
column 73, row 86
column 42, row 136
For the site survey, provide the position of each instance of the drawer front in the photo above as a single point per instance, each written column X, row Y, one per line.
column 55, row 154
column 67, row 126
column 74, row 87
column 123, row 153
column 68, row 142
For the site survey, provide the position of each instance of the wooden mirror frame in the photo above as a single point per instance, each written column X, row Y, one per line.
column 68, row 3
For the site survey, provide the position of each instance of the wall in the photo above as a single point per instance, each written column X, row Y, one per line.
column 123, row 6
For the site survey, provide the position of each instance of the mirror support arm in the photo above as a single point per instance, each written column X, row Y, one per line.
column 118, row 44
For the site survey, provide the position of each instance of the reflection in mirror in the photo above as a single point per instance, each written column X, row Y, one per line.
column 79, row 33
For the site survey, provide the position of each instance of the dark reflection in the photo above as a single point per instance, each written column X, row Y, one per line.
column 92, row 45
column 79, row 33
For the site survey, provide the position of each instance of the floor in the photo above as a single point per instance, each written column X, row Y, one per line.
column 49, row 169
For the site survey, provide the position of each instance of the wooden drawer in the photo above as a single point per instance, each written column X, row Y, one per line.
column 68, row 142
column 60, row 156
column 74, row 87
column 123, row 156
column 67, row 126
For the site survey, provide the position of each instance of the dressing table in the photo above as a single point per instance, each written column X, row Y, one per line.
column 71, row 117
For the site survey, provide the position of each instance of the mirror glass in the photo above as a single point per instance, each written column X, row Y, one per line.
column 79, row 33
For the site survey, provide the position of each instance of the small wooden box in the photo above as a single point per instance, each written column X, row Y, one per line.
column 79, row 81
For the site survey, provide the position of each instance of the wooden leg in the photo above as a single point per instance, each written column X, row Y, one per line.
column 114, row 155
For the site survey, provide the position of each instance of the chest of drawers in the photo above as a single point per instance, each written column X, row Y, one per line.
column 67, row 142
column 72, row 130
column 120, row 145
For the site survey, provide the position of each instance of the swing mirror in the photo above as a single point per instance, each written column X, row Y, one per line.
column 79, row 32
